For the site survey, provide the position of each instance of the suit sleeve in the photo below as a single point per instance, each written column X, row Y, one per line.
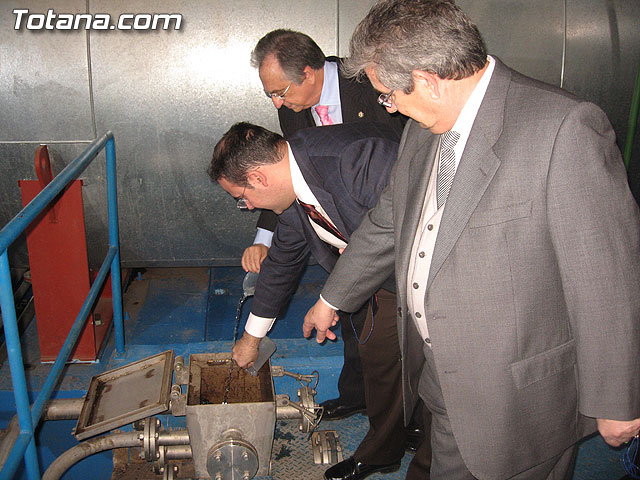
column 365, row 180
column 595, row 230
column 281, row 271
column 367, row 261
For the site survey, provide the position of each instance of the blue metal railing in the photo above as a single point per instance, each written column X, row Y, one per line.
column 29, row 417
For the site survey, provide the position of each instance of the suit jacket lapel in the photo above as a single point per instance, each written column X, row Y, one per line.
column 418, row 173
column 315, row 182
column 476, row 169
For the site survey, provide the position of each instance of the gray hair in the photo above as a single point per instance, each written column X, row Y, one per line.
column 293, row 50
column 400, row 36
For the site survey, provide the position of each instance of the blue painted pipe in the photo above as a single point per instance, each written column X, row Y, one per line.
column 25, row 447
column 112, row 203
column 14, row 351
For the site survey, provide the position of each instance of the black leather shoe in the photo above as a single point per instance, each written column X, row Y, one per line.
column 334, row 410
column 351, row 469
column 415, row 436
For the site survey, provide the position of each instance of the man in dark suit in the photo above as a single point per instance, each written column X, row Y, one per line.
column 515, row 242
column 336, row 172
column 296, row 75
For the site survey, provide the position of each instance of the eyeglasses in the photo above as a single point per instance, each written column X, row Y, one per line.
column 279, row 96
column 384, row 99
column 241, row 203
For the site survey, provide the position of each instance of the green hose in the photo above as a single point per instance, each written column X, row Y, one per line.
column 633, row 121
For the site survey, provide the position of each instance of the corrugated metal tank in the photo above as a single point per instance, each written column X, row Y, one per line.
column 169, row 95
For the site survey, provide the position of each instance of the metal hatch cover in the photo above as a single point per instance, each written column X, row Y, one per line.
column 126, row 394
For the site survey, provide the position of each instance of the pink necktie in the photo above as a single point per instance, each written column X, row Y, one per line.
column 323, row 113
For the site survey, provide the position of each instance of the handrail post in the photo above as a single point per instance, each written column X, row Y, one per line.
column 14, row 351
column 114, row 241
column 24, row 446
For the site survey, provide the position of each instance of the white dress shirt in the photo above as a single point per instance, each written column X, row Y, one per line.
column 429, row 225
column 330, row 97
column 259, row 326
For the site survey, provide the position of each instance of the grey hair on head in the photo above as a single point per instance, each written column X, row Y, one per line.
column 400, row 36
column 293, row 50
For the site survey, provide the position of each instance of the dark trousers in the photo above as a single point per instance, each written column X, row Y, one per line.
column 351, row 381
column 382, row 372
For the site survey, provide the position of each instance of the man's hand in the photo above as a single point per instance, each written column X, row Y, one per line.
column 616, row 432
column 253, row 256
column 245, row 351
column 321, row 316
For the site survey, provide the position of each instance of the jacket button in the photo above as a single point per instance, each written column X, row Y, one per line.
column 427, row 341
column 360, row 114
column 416, row 286
column 421, row 254
column 418, row 315
column 430, row 227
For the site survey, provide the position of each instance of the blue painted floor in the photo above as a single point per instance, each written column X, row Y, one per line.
column 192, row 310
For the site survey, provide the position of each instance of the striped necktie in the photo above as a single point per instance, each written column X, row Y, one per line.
column 446, row 165
column 318, row 219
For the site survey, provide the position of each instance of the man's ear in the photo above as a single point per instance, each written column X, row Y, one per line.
column 257, row 178
column 427, row 82
column 309, row 73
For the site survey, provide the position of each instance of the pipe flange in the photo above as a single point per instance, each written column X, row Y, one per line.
column 161, row 461
column 170, row 472
column 150, row 443
column 232, row 459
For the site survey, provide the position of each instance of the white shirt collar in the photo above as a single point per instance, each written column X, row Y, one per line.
column 330, row 90
column 300, row 187
column 470, row 110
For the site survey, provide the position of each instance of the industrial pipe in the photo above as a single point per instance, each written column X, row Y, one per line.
column 88, row 448
column 57, row 409
column 177, row 442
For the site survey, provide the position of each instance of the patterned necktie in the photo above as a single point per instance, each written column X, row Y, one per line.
column 446, row 165
column 318, row 219
column 323, row 113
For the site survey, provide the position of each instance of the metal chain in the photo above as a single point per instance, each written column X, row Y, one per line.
column 235, row 337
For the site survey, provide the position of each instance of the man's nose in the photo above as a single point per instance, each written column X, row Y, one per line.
column 277, row 102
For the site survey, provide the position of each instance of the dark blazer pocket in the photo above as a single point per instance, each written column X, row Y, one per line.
column 544, row 365
column 504, row 214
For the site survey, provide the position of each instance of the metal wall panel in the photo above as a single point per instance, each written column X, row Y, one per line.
column 169, row 95
column 603, row 56
column 525, row 35
column 44, row 89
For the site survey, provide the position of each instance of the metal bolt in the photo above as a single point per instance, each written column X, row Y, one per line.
column 161, row 469
column 218, row 476
column 157, row 422
column 300, row 427
column 245, row 456
column 217, row 456
column 246, row 476
column 157, row 454
column 141, row 436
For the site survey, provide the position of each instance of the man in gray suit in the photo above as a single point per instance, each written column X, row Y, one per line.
column 516, row 245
